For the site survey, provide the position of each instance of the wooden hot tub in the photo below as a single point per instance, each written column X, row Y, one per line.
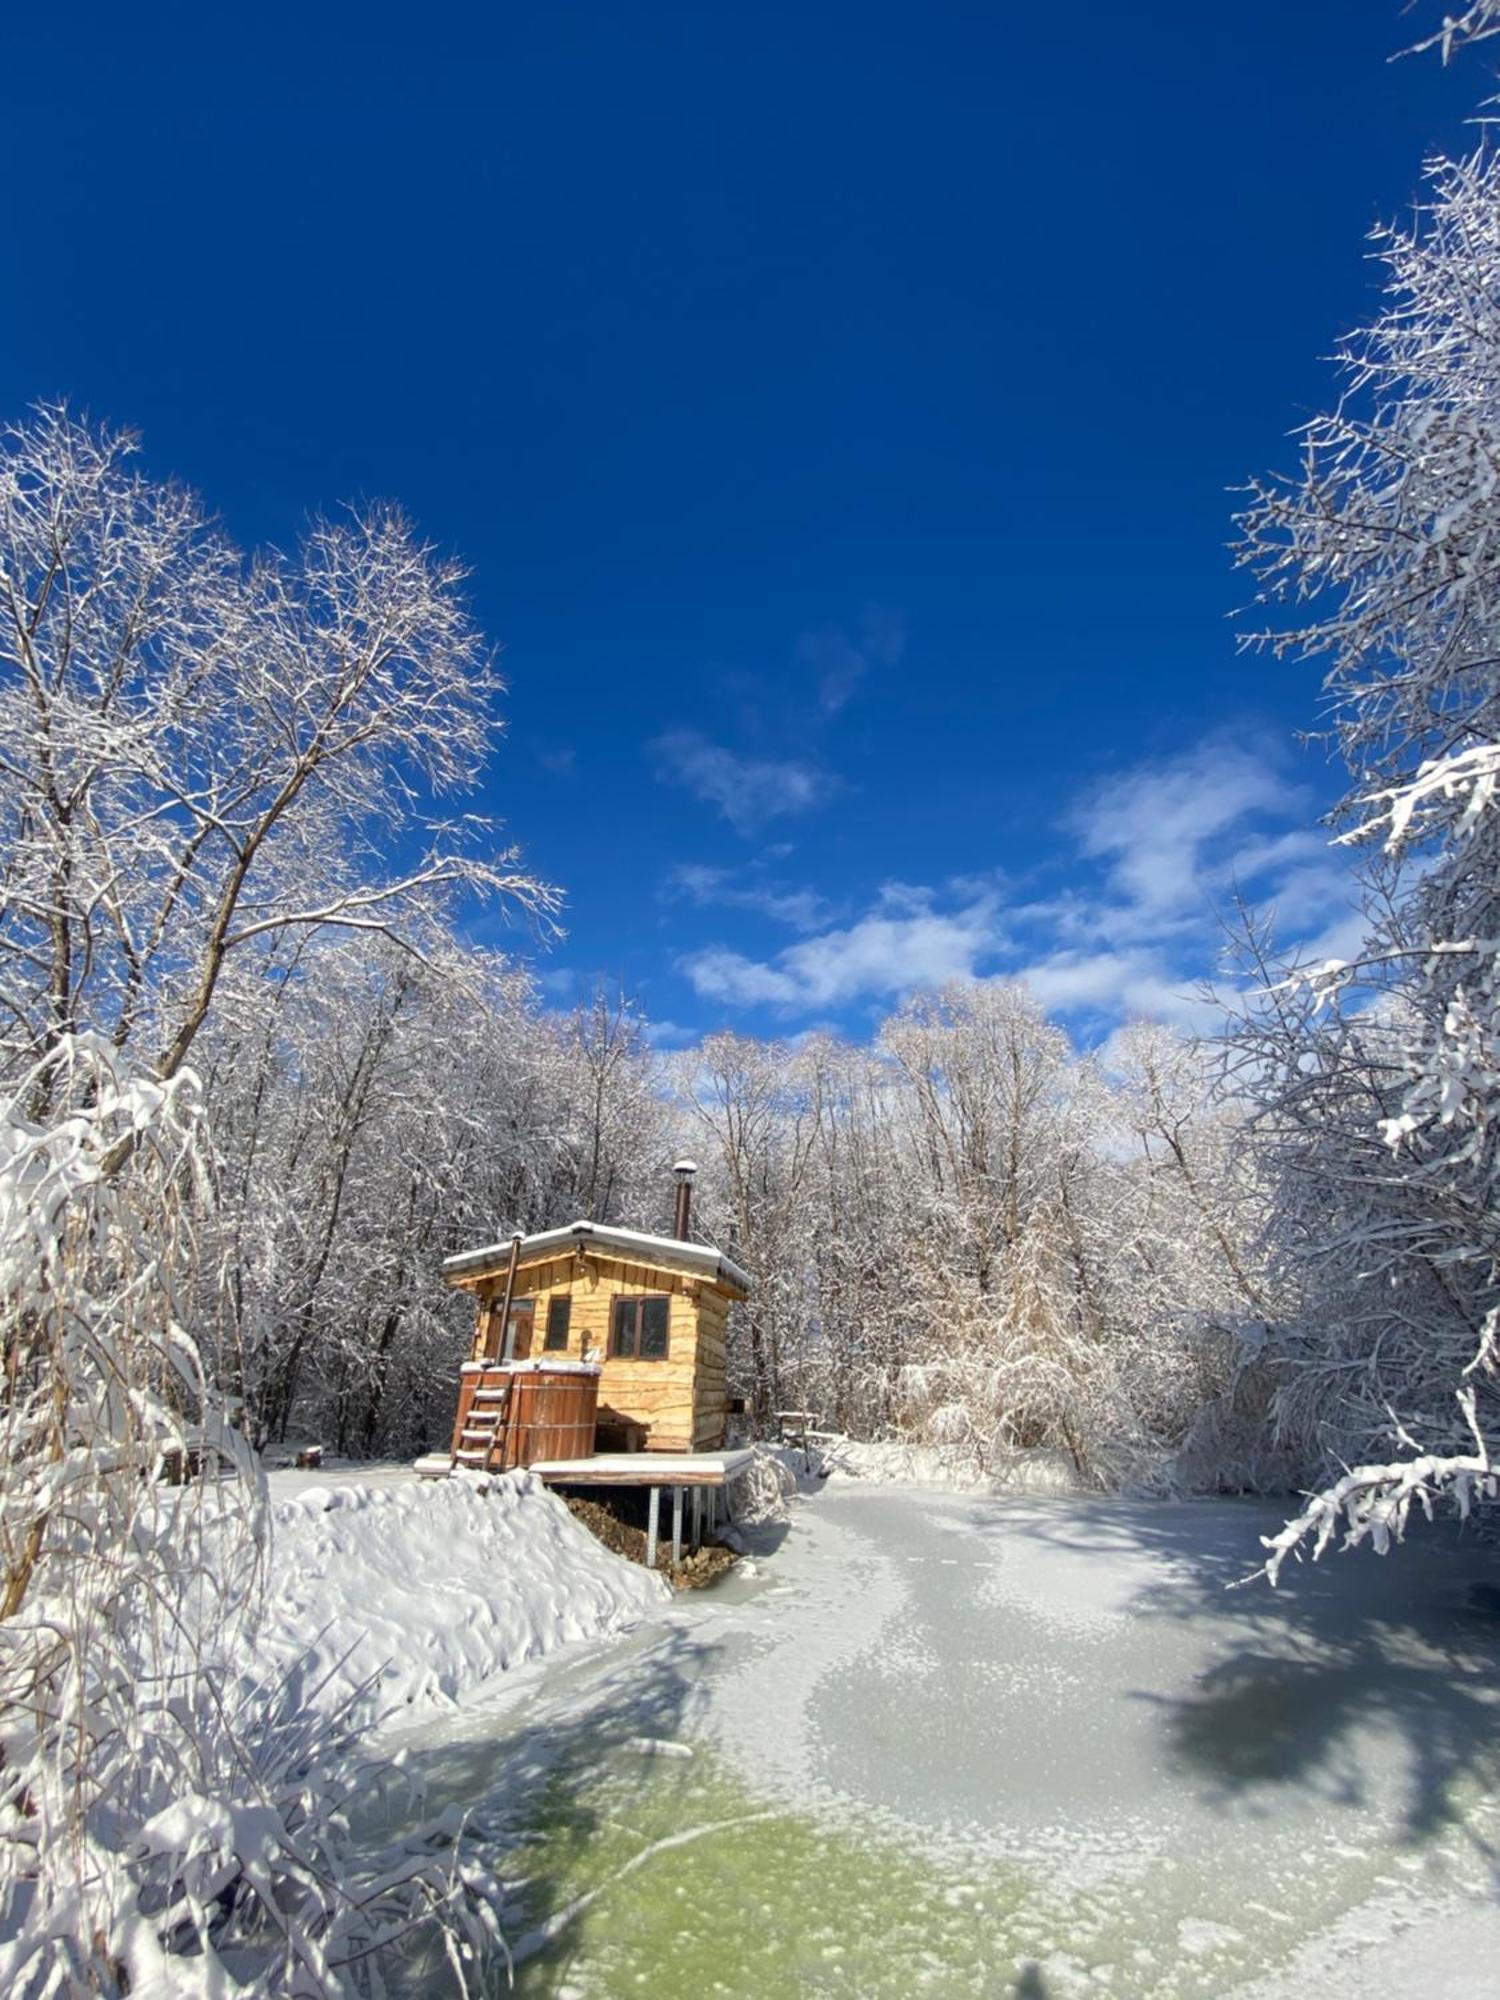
column 542, row 1409
column 553, row 1406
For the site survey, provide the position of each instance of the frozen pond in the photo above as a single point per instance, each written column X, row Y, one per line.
column 983, row 1747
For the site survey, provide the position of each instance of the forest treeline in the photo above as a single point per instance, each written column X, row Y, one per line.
column 965, row 1233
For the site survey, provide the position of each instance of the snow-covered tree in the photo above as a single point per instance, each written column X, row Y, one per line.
column 206, row 765
column 1386, row 1092
column 204, row 754
column 971, row 1237
column 755, row 1118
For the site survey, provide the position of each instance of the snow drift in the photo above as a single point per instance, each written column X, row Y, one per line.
column 901, row 1461
column 416, row 1593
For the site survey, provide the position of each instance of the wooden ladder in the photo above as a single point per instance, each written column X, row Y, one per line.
column 484, row 1428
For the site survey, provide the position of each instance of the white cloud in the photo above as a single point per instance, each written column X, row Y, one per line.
column 838, row 663
column 1159, row 853
column 1116, row 984
column 670, row 1034
column 1178, row 841
column 1166, row 831
column 799, row 909
column 905, row 942
column 748, row 791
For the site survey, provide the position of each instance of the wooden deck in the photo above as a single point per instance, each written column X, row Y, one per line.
column 704, row 1474
column 645, row 1468
column 622, row 1468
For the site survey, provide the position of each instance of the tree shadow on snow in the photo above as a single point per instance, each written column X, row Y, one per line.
column 1356, row 1665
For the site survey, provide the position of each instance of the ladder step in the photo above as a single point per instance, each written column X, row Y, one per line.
column 476, row 1457
column 490, row 1395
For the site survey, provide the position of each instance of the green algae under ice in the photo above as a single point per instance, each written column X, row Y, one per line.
column 738, row 1900
column 664, row 1875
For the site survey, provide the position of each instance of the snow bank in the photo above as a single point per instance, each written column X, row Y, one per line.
column 429, row 1587
column 891, row 1460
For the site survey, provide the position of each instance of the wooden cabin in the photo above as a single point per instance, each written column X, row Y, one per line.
column 650, row 1311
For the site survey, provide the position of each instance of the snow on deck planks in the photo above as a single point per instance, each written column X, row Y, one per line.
column 646, row 1468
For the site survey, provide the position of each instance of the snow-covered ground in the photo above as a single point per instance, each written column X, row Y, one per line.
column 959, row 1745
column 888, row 1460
column 428, row 1589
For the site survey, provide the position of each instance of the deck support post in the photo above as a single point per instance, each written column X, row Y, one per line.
column 676, row 1525
column 653, row 1523
column 697, row 1517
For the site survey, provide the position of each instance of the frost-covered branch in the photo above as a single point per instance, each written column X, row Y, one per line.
column 1475, row 24
column 1373, row 1502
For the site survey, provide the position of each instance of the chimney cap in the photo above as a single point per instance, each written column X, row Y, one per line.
column 684, row 1169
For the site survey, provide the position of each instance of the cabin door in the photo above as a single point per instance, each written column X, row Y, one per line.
column 516, row 1344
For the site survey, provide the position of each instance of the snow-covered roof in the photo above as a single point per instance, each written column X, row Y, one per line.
column 670, row 1251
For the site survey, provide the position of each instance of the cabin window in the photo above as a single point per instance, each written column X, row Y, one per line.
column 559, row 1311
column 517, row 1344
column 639, row 1329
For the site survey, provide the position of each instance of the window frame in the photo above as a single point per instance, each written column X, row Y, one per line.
column 561, row 1306
column 490, row 1340
column 636, row 1303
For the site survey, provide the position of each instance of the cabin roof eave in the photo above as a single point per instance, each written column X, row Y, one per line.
column 633, row 1245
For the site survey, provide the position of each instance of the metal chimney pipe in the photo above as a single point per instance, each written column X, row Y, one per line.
column 507, row 1332
column 682, row 1218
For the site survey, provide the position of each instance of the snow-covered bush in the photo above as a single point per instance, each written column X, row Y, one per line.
column 765, row 1488
column 974, row 1239
column 166, row 1819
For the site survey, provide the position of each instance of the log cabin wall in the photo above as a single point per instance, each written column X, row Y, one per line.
column 682, row 1400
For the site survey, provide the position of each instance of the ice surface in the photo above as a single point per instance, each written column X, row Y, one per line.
column 964, row 1746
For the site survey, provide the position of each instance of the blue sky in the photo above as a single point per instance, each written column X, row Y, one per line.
column 836, row 405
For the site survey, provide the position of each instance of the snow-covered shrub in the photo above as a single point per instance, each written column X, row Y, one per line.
column 974, row 1239
column 764, row 1490
column 164, row 1816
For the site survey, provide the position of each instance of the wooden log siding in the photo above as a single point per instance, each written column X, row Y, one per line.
column 710, row 1379
column 682, row 1400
